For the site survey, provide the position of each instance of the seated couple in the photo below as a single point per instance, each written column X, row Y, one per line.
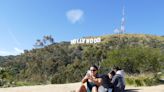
column 92, row 82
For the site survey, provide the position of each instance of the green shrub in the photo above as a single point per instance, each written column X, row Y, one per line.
column 53, row 81
column 22, row 83
column 147, row 81
column 129, row 81
column 138, row 82
column 2, row 82
column 142, row 80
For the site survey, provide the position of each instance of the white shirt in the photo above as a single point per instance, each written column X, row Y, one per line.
column 122, row 73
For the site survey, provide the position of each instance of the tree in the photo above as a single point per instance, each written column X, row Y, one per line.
column 48, row 38
column 38, row 43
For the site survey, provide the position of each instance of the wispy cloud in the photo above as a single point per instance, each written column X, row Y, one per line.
column 74, row 15
column 14, row 38
column 15, row 51
column 4, row 53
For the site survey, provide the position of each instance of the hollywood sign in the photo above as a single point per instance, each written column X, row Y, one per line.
column 86, row 41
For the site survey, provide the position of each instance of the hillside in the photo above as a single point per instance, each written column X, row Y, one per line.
column 65, row 63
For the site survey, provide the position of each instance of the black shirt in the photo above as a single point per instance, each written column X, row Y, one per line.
column 106, row 81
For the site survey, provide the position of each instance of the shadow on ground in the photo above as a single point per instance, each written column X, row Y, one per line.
column 132, row 90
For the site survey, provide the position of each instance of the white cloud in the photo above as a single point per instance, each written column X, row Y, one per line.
column 74, row 15
column 15, row 51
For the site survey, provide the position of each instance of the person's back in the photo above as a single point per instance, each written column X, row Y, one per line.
column 122, row 73
column 118, row 83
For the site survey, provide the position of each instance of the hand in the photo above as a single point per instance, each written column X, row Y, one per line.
column 92, row 78
column 87, row 76
column 88, row 73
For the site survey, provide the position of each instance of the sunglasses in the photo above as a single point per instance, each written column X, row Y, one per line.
column 93, row 70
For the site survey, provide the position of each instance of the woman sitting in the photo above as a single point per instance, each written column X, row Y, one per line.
column 92, row 81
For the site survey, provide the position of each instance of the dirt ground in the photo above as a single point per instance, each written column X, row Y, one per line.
column 73, row 86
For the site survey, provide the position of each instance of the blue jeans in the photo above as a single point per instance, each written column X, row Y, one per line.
column 102, row 89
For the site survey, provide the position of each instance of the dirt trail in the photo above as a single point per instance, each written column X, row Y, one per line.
column 71, row 87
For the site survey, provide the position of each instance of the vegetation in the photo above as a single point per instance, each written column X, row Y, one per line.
column 64, row 63
column 142, row 80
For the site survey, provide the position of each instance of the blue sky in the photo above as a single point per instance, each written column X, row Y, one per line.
column 24, row 21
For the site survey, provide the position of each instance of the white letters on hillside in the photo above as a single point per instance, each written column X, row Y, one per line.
column 86, row 40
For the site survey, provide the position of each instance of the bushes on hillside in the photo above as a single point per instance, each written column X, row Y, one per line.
column 135, row 60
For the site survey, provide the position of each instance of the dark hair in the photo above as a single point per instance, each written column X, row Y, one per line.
column 95, row 67
column 116, row 68
column 112, row 73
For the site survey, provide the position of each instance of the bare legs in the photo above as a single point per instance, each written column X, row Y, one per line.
column 83, row 89
column 94, row 89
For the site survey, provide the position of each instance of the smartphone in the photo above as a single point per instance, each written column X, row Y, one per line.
column 88, row 73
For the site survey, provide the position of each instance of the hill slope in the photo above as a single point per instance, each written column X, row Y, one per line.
column 64, row 63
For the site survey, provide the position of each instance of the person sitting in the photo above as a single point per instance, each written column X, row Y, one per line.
column 118, row 80
column 106, row 86
column 92, row 80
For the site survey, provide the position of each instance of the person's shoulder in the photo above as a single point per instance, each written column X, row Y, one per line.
column 121, row 72
column 117, row 75
column 101, row 75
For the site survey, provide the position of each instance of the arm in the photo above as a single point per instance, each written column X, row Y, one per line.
column 97, row 81
column 114, row 80
column 85, row 79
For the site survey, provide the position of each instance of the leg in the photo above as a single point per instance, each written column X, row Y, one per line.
column 101, row 89
column 124, row 88
column 82, row 89
column 94, row 89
